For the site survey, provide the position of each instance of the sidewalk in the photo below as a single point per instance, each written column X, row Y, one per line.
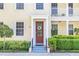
column 39, row 54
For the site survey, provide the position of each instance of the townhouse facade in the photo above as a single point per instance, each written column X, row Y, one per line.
column 36, row 22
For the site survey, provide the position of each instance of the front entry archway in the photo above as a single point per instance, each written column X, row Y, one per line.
column 39, row 32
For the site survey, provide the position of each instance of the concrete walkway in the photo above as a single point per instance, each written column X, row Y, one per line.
column 39, row 54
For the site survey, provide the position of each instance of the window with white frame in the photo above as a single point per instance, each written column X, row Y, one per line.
column 70, row 29
column 70, row 9
column 54, row 9
column 19, row 5
column 19, row 28
column 39, row 6
column 54, row 29
column 1, row 6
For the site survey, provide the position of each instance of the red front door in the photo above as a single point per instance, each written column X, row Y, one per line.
column 39, row 32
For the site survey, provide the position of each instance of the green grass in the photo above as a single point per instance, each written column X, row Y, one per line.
column 13, row 51
column 69, row 51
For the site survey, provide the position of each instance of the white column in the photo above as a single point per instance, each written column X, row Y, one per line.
column 32, row 30
column 67, row 27
column 47, row 30
column 67, row 9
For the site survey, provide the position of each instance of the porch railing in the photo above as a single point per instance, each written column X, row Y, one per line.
column 32, row 43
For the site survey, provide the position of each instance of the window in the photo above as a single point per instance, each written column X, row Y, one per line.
column 39, row 6
column 54, row 29
column 19, row 28
column 54, row 9
column 1, row 23
column 19, row 5
column 70, row 5
column 70, row 29
column 1, row 6
column 54, row 5
column 70, row 9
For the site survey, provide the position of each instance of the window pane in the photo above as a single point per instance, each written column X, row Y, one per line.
column 19, row 32
column 70, row 29
column 70, row 12
column 54, row 12
column 19, row 5
column 70, row 5
column 1, row 23
column 54, row 5
column 70, row 32
column 39, row 5
column 1, row 5
column 19, row 25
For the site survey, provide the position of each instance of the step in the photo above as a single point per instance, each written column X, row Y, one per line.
column 39, row 49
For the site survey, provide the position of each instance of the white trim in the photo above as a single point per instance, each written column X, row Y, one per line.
column 67, row 10
column 47, row 31
column 59, row 18
column 67, row 27
column 45, row 17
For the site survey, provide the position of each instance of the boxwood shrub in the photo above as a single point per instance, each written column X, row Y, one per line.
column 64, row 42
column 52, row 44
column 66, row 36
column 15, row 45
column 76, row 44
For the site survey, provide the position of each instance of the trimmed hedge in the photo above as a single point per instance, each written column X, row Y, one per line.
column 62, row 42
column 52, row 44
column 15, row 45
column 66, row 36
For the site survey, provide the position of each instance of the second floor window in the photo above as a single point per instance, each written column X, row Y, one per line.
column 70, row 9
column 19, row 5
column 39, row 6
column 54, row 9
column 1, row 6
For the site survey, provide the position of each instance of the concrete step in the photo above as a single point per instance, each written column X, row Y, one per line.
column 39, row 49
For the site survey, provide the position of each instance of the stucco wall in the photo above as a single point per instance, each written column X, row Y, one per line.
column 10, row 15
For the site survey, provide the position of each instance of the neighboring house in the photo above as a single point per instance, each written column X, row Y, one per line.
column 37, row 22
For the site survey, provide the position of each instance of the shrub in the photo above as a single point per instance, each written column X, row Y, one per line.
column 52, row 44
column 76, row 44
column 15, row 45
column 66, row 36
column 64, row 44
column 1, row 45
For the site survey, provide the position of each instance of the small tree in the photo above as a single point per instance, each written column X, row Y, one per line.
column 76, row 30
column 5, row 31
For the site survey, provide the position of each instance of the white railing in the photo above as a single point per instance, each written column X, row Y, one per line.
column 47, row 47
column 63, row 13
column 31, row 47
